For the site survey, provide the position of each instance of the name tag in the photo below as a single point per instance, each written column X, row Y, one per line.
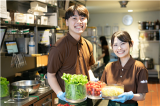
column 144, row 81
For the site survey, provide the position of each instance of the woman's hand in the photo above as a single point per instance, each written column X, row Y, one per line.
column 124, row 97
column 61, row 95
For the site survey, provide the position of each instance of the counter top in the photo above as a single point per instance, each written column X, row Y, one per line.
column 29, row 100
column 96, row 68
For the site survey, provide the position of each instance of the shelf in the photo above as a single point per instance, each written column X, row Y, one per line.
column 79, row 2
column 28, row 1
column 150, row 41
column 18, row 34
column 89, row 36
column 26, row 24
column 46, row 26
column 148, row 30
column 62, row 31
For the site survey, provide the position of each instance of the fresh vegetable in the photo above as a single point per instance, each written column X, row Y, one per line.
column 20, row 93
column 64, row 104
column 94, row 88
column 4, row 87
column 112, row 90
column 75, row 79
column 75, row 86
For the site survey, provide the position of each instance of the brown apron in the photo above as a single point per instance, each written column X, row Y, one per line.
column 111, row 103
column 87, row 102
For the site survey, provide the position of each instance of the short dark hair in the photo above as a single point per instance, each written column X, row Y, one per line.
column 122, row 36
column 82, row 11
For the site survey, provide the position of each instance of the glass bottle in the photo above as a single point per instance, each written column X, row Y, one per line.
column 157, row 25
column 31, row 44
column 147, row 25
column 42, row 80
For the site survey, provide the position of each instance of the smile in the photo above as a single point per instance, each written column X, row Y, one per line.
column 78, row 27
column 120, row 52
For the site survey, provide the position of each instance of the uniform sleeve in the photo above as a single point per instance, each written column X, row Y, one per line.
column 104, row 75
column 54, row 60
column 91, row 60
column 142, row 81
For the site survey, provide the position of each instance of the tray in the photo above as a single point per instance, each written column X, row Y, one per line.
column 19, row 99
column 76, row 101
column 94, row 97
column 109, row 97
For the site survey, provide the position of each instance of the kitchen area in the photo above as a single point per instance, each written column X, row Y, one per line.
column 30, row 27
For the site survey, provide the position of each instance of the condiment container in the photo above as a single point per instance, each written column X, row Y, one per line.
column 111, row 91
column 20, row 94
column 75, row 93
column 140, row 25
column 94, row 89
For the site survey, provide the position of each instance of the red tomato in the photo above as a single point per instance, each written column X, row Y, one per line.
column 66, row 104
column 91, row 92
column 98, row 93
column 91, row 86
column 89, row 89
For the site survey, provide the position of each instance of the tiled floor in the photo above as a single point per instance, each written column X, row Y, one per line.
column 152, row 97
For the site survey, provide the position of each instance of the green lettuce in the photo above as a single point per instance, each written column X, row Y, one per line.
column 75, row 79
column 75, row 86
column 4, row 87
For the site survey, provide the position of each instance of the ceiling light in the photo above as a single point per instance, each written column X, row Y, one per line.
column 130, row 10
column 123, row 4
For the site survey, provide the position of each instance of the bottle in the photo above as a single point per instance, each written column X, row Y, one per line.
column 157, row 25
column 37, row 76
column 147, row 25
column 155, row 36
column 31, row 45
column 42, row 80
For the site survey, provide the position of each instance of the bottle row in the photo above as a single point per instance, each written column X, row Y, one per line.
column 149, row 25
column 149, row 36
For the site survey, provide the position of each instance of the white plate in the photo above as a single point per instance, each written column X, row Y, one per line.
column 109, row 97
column 76, row 101
column 94, row 97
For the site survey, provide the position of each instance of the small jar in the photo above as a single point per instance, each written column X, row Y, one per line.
column 140, row 25
column 154, row 36
column 153, row 25
column 151, row 36
column 144, row 25
column 147, row 26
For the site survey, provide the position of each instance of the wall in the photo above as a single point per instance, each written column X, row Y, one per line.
column 115, row 19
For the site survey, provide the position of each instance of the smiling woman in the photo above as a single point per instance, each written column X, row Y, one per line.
column 126, row 71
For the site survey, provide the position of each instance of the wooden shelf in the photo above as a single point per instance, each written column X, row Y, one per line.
column 148, row 30
column 26, row 24
column 151, row 41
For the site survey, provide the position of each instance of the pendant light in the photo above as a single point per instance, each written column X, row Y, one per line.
column 123, row 4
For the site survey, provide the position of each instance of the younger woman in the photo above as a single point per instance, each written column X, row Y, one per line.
column 127, row 71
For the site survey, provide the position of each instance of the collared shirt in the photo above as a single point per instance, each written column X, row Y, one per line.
column 70, row 56
column 133, row 76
